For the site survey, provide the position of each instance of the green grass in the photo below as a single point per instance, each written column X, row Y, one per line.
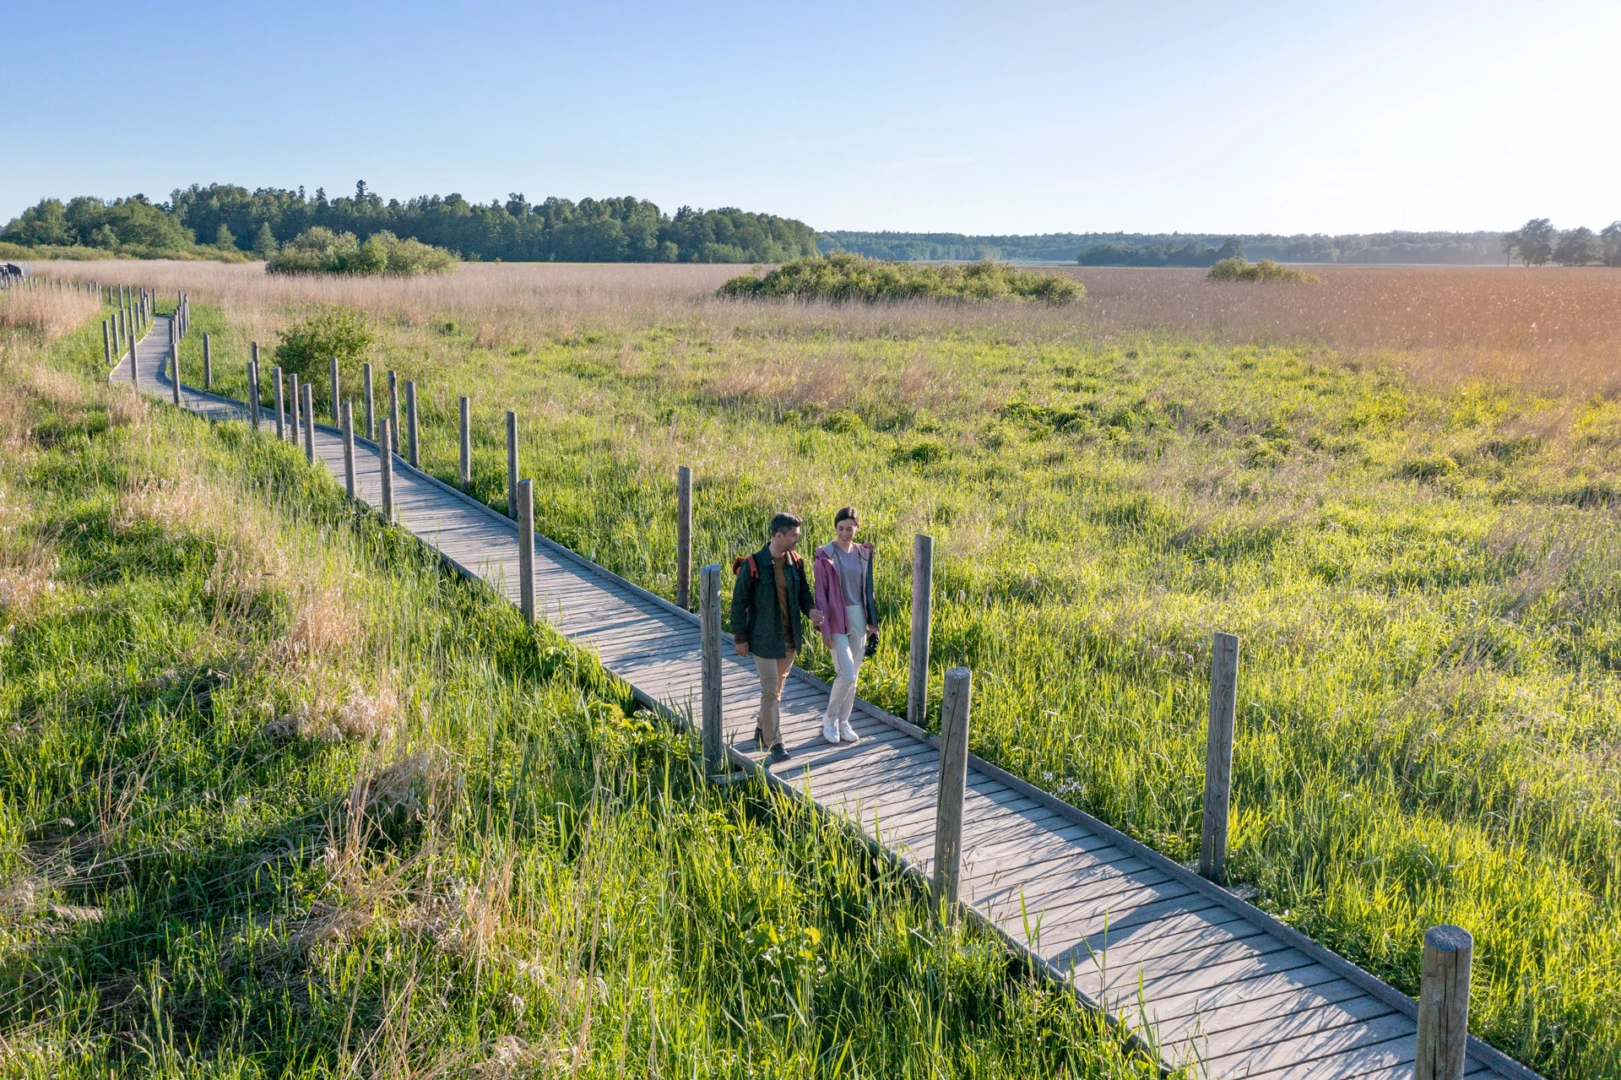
column 280, row 797
column 1425, row 582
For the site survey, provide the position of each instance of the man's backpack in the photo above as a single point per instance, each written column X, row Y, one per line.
column 754, row 570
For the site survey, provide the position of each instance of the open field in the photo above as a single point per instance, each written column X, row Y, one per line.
column 1398, row 487
column 279, row 797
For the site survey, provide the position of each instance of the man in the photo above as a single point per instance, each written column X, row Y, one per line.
column 769, row 599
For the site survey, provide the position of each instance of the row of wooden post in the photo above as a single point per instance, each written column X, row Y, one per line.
column 1444, row 996
column 35, row 283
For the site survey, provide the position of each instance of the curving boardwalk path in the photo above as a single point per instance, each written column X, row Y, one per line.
column 1209, row 979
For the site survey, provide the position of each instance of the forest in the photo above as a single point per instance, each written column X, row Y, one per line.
column 232, row 221
column 1176, row 249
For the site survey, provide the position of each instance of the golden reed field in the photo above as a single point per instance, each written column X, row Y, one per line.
column 1551, row 328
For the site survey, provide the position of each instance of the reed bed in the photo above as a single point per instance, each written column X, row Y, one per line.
column 1409, row 523
column 278, row 797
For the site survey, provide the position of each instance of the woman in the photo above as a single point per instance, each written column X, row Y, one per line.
column 849, row 617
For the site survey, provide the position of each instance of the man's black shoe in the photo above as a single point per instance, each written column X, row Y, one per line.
column 759, row 739
column 778, row 754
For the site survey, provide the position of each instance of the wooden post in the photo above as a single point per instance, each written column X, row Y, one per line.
column 275, row 385
column 208, row 363
column 253, row 393
column 394, row 412
column 1443, row 1004
column 134, row 372
column 292, row 408
column 337, row 402
column 385, row 458
column 349, row 450
column 526, row 550
column 512, row 465
column 917, row 685
column 709, row 704
column 309, row 423
column 174, row 370
column 106, row 343
column 953, row 787
column 462, row 407
column 411, row 424
column 683, row 538
column 1218, row 764
column 371, row 404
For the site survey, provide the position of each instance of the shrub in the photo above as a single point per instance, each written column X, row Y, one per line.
column 1265, row 270
column 319, row 250
column 331, row 331
column 841, row 276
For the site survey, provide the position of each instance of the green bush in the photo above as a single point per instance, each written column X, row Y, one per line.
column 1265, row 270
column 841, row 276
column 332, row 331
column 319, row 250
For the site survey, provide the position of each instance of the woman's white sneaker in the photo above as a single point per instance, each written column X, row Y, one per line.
column 847, row 733
column 830, row 730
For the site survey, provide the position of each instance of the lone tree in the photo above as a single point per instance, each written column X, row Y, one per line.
column 1610, row 240
column 1534, row 241
column 1577, row 247
column 264, row 241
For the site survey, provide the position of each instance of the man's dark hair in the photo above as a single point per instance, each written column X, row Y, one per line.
column 847, row 513
column 783, row 522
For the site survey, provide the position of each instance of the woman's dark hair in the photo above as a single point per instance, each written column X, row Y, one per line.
column 848, row 513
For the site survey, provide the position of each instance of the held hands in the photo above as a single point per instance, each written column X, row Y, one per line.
column 817, row 617
column 742, row 648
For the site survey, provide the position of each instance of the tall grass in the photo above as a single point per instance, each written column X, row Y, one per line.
column 279, row 797
column 1421, row 567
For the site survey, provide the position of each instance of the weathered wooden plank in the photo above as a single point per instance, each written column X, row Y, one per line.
column 1379, row 1043
column 1293, row 1029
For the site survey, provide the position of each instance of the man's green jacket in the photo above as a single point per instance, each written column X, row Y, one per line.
column 755, row 618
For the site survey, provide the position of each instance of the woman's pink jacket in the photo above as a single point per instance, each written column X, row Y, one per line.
column 830, row 595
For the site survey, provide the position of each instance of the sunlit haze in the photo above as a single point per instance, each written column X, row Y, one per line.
column 1012, row 117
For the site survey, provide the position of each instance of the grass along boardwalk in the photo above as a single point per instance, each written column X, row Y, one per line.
column 1203, row 977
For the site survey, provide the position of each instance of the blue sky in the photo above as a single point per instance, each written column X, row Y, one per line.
column 1004, row 117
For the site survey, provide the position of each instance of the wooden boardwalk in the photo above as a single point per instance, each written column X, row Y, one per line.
column 1209, row 979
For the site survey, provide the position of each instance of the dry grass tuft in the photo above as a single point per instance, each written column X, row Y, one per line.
column 24, row 581
column 325, row 626
column 360, row 717
column 127, row 408
column 175, row 506
column 43, row 312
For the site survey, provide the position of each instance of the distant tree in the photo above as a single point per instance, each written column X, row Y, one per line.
column 1231, row 248
column 44, row 223
column 264, row 241
column 1610, row 241
column 1535, row 243
column 223, row 237
column 1511, row 244
column 1576, row 247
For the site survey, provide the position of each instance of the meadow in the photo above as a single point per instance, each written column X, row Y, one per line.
column 280, row 797
column 1398, row 487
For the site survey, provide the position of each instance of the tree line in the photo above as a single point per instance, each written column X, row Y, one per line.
column 231, row 221
column 1174, row 249
column 1537, row 243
